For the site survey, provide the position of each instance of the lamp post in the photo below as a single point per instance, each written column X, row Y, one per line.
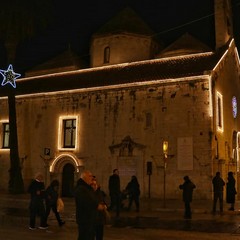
column 165, row 152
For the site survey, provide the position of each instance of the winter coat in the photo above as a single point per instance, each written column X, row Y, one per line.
column 86, row 203
column 51, row 196
column 231, row 190
column 133, row 188
column 114, row 185
column 101, row 216
column 187, row 188
column 218, row 184
column 36, row 189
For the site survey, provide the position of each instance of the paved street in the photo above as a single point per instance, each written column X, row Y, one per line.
column 152, row 222
column 111, row 233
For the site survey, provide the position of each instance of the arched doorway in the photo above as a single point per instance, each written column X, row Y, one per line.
column 68, row 180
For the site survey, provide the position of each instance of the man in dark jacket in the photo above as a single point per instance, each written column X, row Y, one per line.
column 87, row 206
column 36, row 207
column 187, row 188
column 218, row 185
column 114, row 191
column 133, row 190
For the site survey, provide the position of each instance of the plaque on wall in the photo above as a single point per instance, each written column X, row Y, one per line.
column 185, row 153
column 127, row 166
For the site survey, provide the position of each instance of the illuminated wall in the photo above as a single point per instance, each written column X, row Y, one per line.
column 148, row 114
column 122, row 48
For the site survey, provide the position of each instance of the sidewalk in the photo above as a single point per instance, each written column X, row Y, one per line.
column 14, row 209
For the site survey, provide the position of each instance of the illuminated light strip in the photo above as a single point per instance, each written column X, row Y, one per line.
column 4, row 149
column 210, row 97
column 223, row 56
column 238, row 155
column 3, row 98
column 125, row 85
column 230, row 45
column 236, row 52
column 219, row 95
column 60, row 134
column 121, row 65
column 76, row 161
column 4, row 121
column 232, row 42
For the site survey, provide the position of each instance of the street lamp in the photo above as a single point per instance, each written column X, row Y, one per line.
column 165, row 155
column 165, row 148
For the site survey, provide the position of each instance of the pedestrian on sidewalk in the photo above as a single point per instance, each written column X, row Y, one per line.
column 218, row 185
column 101, row 215
column 231, row 191
column 187, row 188
column 36, row 206
column 115, row 192
column 133, row 191
column 87, row 206
column 51, row 201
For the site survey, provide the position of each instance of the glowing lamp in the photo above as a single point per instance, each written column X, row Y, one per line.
column 165, row 148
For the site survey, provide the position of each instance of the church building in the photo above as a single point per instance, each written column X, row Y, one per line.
column 153, row 111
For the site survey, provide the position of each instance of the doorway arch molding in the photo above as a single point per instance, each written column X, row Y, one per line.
column 58, row 163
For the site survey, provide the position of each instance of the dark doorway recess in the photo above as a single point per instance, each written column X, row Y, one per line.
column 68, row 180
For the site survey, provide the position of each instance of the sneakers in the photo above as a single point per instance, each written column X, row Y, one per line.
column 32, row 228
column 43, row 227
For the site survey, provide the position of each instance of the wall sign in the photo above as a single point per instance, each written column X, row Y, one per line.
column 185, row 153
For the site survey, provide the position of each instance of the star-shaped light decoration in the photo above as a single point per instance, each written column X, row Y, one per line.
column 9, row 76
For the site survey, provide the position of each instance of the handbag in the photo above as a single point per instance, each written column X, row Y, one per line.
column 60, row 205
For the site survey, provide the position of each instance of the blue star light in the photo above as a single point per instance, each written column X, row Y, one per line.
column 9, row 76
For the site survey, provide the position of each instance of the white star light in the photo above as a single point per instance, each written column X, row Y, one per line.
column 9, row 76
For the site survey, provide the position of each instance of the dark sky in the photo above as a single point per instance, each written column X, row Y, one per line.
column 74, row 23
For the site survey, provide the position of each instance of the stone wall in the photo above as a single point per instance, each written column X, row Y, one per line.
column 148, row 115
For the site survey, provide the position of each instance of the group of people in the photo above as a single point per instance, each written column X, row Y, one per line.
column 218, row 187
column 91, row 207
column 132, row 192
column 42, row 202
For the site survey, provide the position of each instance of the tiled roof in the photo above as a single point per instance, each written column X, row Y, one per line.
column 150, row 70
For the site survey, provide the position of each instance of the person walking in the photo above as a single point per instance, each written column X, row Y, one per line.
column 87, row 206
column 133, row 190
column 187, row 188
column 101, row 216
column 36, row 206
column 51, row 201
column 115, row 192
column 218, row 185
column 231, row 191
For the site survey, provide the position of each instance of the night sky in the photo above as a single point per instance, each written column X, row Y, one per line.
column 74, row 22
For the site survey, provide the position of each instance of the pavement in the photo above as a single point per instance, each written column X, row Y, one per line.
column 154, row 214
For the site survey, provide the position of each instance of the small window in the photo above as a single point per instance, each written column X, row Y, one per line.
column 106, row 55
column 69, row 133
column 6, row 133
column 219, row 111
column 148, row 120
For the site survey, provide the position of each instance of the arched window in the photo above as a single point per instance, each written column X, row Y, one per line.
column 106, row 55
